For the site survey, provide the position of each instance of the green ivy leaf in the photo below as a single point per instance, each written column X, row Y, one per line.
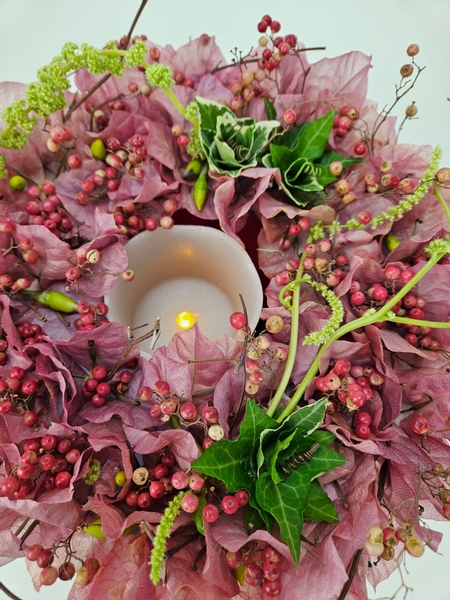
column 286, row 501
column 271, row 112
column 290, row 137
column 319, row 507
column 324, row 176
column 198, row 518
column 233, row 462
column 313, row 140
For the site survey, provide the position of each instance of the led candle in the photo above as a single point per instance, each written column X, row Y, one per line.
column 188, row 269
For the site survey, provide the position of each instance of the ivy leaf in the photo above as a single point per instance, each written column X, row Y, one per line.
column 231, row 144
column 289, row 138
column 324, row 175
column 313, row 140
column 319, row 507
column 233, row 462
column 286, row 501
column 198, row 518
column 271, row 112
column 305, row 420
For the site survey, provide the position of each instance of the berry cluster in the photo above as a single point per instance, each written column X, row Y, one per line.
column 386, row 181
column 98, row 386
column 18, row 394
column 259, row 355
column 46, row 463
column 262, row 566
column 168, row 404
column 351, row 386
column 90, row 316
column 44, row 558
column 45, row 208
column 382, row 542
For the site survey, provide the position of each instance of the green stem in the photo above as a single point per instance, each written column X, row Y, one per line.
column 177, row 103
column 363, row 321
column 442, row 202
column 112, row 52
column 420, row 323
column 293, row 342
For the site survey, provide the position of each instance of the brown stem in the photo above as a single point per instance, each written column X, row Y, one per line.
column 240, row 364
column 5, row 590
column 29, row 530
column 105, row 78
column 351, row 574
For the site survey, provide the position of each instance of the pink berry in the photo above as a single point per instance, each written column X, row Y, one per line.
column 238, row 320
column 156, row 489
column 363, row 431
column 241, row 497
column 210, row 513
column 189, row 503
column 357, row 298
column 230, row 505
column 180, row 480
column 419, row 425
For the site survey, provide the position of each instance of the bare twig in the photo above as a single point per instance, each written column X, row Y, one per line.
column 5, row 590
column 351, row 574
column 105, row 78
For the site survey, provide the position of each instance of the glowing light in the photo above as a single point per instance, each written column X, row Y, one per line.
column 185, row 319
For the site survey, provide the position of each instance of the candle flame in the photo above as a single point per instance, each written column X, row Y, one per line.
column 185, row 319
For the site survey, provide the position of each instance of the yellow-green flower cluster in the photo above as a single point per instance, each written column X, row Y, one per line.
column 337, row 314
column 93, row 473
column 3, row 171
column 397, row 212
column 136, row 54
column 161, row 534
column 438, row 246
column 316, row 232
column 159, row 75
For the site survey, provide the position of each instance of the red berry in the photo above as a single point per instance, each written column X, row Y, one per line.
column 363, row 431
column 45, row 558
column 62, row 480
column 230, row 505
column 275, row 26
column 271, row 588
column 48, row 576
column 144, row 500
column 419, row 425
column 238, row 320
column 66, row 571
column 210, row 513
column 162, row 388
column 34, row 551
column 156, row 489
column 271, row 570
column 189, row 503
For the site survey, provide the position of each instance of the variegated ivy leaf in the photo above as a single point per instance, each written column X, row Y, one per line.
column 231, row 144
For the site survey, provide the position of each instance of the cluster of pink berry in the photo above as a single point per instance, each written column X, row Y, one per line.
column 275, row 47
column 351, row 386
column 261, row 567
column 410, row 306
column 386, row 181
column 382, row 542
column 44, row 558
column 153, row 483
column 259, row 348
column 89, row 315
column 97, row 386
column 343, row 123
column 129, row 221
column 321, row 261
column 440, row 490
column 46, row 462
column 18, row 394
column 45, row 208
column 168, row 404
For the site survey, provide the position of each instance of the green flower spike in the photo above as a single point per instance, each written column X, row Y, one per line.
column 162, row 533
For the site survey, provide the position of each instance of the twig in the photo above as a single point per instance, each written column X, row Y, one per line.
column 351, row 574
column 105, row 78
column 4, row 589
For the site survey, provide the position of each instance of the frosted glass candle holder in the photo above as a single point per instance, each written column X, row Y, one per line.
column 187, row 268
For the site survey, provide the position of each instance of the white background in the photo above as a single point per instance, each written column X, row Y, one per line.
column 33, row 31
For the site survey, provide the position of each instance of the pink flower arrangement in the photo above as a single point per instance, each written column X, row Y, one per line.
column 311, row 450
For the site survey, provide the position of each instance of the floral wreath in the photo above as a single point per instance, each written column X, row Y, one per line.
column 313, row 448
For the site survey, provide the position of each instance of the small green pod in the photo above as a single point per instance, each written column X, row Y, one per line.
column 17, row 183
column 391, row 242
column 192, row 170
column 57, row 301
column 98, row 149
column 200, row 190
